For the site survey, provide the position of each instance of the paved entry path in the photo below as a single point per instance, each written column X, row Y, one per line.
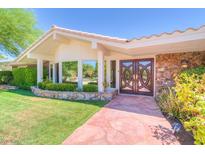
column 125, row 120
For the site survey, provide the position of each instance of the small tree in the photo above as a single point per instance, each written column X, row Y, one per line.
column 17, row 30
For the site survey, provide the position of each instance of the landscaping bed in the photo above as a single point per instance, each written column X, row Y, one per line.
column 183, row 136
column 185, row 101
column 75, row 95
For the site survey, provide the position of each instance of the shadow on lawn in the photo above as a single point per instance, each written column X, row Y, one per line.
column 28, row 93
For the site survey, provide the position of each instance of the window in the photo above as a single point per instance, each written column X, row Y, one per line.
column 70, row 72
column 90, row 72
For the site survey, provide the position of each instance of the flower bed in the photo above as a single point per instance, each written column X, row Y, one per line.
column 69, row 95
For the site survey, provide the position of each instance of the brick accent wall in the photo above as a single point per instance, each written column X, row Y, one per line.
column 168, row 65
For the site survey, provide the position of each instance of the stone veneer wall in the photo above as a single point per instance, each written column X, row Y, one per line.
column 66, row 95
column 168, row 65
column 7, row 87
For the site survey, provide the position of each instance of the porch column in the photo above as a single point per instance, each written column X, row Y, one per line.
column 54, row 73
column 80, row 74
column 60, row 69
column 100, row 57
column 108, row 72
column 49, row 71
column 39, row 70
column 117, row 75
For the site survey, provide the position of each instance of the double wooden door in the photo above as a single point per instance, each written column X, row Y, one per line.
column 136, row 76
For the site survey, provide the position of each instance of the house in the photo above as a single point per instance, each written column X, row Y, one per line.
column 135, row 66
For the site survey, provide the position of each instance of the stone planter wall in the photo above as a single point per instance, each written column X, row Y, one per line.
column 66, row 95
column 169, row 65
column 7, row 87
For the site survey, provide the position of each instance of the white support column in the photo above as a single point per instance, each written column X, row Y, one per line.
column 80, row 74
column 39, row 70
column 100, row 57
column 49, row 71
column 117, row 75
column 108, row 72
column 60, row 73
column 54, row 73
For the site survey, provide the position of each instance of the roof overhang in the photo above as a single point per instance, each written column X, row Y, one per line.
column 177, row 41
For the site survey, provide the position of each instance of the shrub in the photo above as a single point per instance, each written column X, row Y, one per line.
column 167, row 101
column 71, row 82
column 6, row 77
column 42, row 85
column 190, row 92
column 90, row 88
column 188, row 101
column 93, row 83
column 24, row 77
column 57, row 86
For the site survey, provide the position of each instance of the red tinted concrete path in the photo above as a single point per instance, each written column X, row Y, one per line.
column 125, row 120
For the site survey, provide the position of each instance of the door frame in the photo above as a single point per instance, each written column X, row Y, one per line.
column 135, row 91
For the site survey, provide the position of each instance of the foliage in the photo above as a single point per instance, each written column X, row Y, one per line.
column 89, row 71
column 187, row 103
column 90, row 88
column 5, row 77
column 24, row 77
column 92, row 82
column 1, row 57
column 47, row 85
column 70, row 71
column 17, row 30
column 27, row 119
column 196, row 125
column 167, row 102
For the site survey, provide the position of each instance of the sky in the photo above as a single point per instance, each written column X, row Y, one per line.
column 123, row 23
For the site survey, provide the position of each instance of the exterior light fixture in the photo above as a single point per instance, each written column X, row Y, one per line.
column 184, row 63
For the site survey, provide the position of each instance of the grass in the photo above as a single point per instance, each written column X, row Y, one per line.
column 27, row 119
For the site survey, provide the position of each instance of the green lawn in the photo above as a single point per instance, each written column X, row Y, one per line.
column 27, row 119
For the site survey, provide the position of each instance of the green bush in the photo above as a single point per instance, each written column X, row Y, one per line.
column 42, row 85
column 92, row 82
column 90, row 88
column 6, row 77
column 24, row 77
column 188, row 101
column 48, row 85
column 71, row 82
column 198, row 70
column 167, row 102
column 57, row 86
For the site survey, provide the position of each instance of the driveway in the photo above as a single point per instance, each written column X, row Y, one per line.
column 125, row 120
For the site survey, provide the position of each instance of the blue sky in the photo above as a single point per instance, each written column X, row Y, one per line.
column 124, row 23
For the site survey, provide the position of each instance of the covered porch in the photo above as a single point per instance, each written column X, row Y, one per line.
column 126, row 65
column 55, row 69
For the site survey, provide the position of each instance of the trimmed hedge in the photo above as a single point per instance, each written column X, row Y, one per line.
column 57, row 86
column 48, row 85
column 93, row 83
column 24, row 77
column 6, row 77
column 90, row 88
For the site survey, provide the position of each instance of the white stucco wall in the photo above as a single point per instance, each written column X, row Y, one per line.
column 120, row 56
column 75, row 50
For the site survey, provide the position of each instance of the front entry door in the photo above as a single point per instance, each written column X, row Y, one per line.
column 136, row 76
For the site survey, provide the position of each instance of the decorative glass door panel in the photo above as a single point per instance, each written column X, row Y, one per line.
column 127, row 76
column 136, row 76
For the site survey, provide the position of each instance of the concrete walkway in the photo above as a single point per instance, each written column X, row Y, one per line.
column 125, row 120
